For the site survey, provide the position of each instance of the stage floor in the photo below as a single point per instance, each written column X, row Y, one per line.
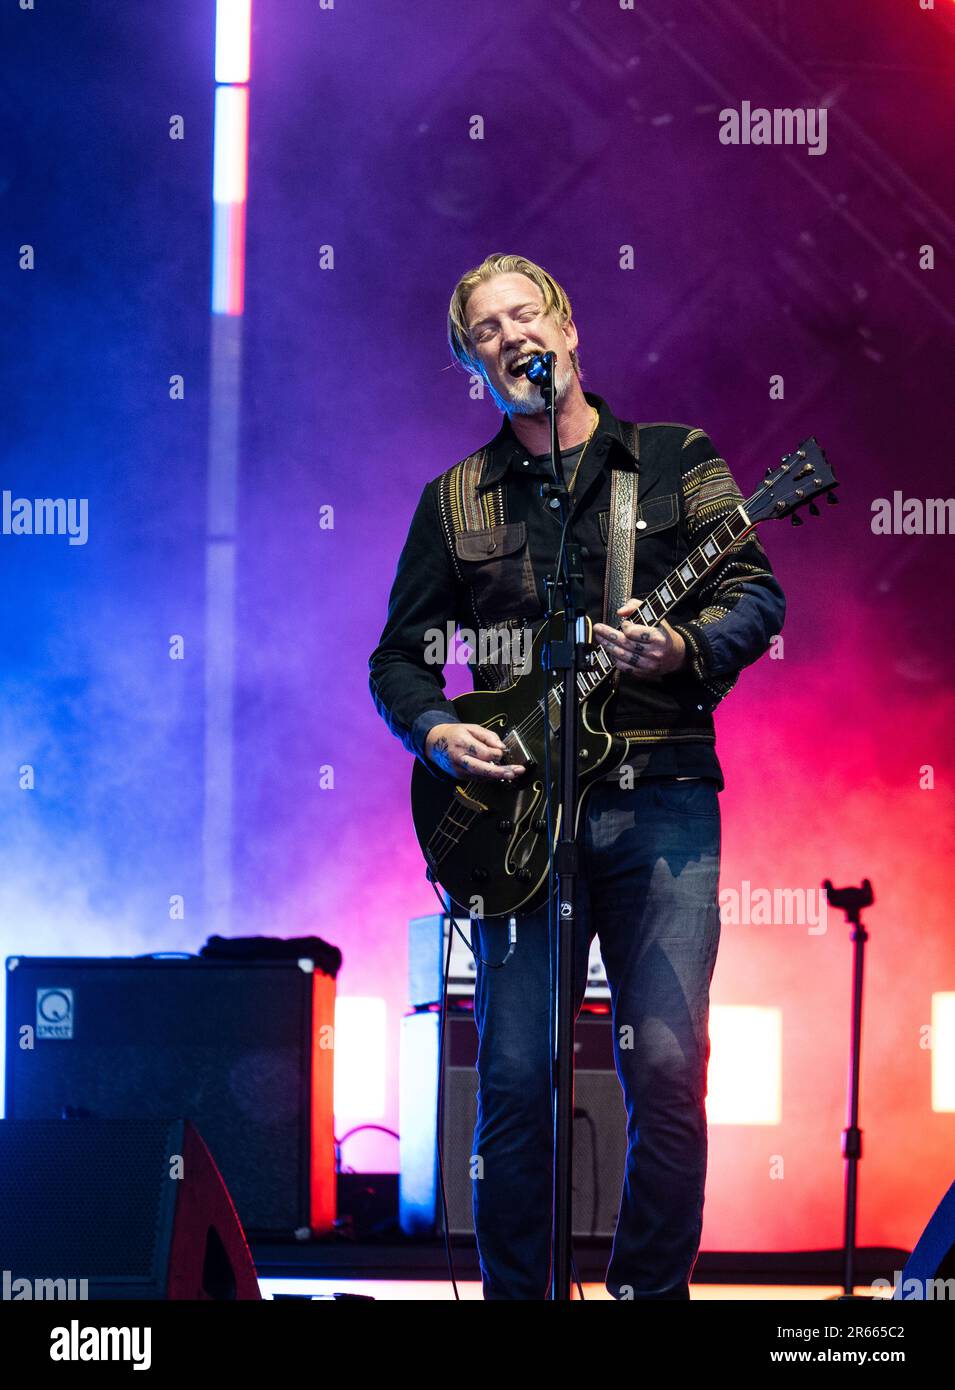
column 427, row 1290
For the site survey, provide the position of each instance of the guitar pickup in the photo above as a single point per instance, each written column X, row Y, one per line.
column 514, row 743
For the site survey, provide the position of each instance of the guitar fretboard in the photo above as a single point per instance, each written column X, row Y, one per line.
column 695, row 567
column 664, row 598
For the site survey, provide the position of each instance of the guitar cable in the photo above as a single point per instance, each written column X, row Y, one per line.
column 552, row 925
column 446, row 912
column 512, row 933
column 442, row 1026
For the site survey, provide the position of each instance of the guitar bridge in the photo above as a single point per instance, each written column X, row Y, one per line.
column 470, row 801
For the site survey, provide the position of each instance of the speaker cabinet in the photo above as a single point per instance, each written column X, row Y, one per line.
column 126, row 1209
column 600, row 1138
column 235, row 1047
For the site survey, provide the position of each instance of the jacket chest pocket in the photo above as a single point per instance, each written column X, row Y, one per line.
column 496, row 565
column 656, row 541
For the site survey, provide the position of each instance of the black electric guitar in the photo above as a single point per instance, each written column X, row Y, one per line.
column 485, row 841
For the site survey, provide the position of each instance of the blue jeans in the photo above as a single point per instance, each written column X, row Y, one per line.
column 649, row 890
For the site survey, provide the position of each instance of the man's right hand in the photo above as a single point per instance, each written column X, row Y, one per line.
column 469, row 750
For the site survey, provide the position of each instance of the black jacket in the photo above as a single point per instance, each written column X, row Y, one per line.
column 495, row 576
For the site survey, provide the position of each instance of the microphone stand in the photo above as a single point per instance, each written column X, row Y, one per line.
column 852, row 901
column 563, row 657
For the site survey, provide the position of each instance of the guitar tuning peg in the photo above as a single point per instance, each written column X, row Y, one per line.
column 813, row 509
column 797, row 519
column 831, row 498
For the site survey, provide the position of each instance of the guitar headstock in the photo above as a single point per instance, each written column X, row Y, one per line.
column 803, row 476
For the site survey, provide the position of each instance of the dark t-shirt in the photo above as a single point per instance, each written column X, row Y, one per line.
column 568, row 457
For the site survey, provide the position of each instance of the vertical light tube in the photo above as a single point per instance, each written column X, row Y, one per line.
column 229, row 181
column 229, row 186
column 233, row 40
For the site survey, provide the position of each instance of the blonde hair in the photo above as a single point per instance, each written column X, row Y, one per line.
column 556, row 303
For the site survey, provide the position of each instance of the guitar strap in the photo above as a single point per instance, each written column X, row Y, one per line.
column 621, row 538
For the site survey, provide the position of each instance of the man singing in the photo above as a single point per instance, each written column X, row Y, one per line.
column 482, row 540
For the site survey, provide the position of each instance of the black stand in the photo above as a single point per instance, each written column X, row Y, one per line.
column 852, row 901
column 564, row 657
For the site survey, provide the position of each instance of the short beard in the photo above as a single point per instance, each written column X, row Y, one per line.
column 527, row 398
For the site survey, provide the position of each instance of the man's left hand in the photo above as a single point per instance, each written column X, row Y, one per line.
column 638, row 650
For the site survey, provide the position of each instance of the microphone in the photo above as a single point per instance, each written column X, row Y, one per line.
column 540, row 368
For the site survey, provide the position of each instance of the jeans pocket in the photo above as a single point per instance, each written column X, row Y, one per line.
column 695, row 797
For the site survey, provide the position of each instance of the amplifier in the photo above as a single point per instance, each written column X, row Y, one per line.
column 427, row 951
column 600, row 1124
column 237, row 1047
